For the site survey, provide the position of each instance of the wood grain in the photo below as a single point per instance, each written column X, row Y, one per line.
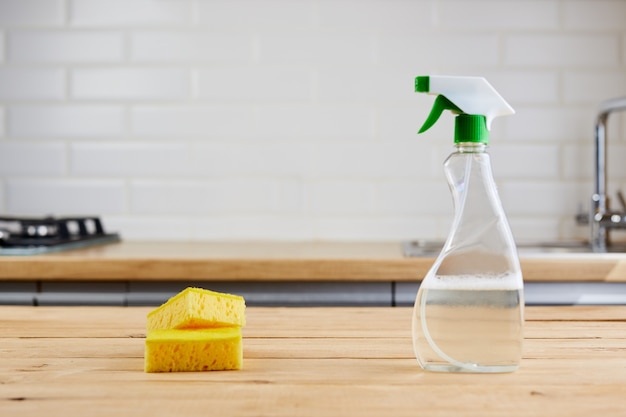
column 276, row 261
column 88, row 361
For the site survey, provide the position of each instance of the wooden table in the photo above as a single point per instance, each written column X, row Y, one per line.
column 88, row 361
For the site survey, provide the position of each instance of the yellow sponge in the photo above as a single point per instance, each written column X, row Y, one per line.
column 195, row 308
column 194, row 350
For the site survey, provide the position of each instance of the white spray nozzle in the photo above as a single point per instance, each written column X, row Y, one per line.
column 471, row 95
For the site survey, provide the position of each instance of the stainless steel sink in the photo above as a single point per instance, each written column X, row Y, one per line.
column 431, row 248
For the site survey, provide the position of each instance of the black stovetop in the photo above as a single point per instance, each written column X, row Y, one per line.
column 29, row 236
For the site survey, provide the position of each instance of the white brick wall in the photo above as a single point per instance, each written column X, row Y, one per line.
column 513, row 14
column 141, row 13
column 123, row 159
column 26, row 84
column 64, row 46
column 208, row 122
column 247, row 14
column 131, row 84
column 393, row 15
column 253, row 83
column 588, row 50
column 18, row 13
column 190, row 47
column 73, row 121
column 224, row 196
column 41, row 195
column 296, row 120
column 33, row 159
column 585, row 15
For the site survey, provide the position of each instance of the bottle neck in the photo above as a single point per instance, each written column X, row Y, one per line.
column 471, row 147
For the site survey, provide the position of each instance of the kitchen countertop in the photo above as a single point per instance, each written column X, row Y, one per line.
column 88, row 361
column 277, row 261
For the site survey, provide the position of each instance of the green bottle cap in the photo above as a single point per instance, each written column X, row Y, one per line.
column 470, row 128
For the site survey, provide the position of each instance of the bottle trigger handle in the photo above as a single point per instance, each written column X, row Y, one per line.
column 441, row 103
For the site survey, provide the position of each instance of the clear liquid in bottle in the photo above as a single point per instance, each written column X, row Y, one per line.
column 468, row 324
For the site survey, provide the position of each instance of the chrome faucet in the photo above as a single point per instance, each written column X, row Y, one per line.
column 601, row 218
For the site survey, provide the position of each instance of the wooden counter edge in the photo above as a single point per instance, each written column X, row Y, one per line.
column 323, row 269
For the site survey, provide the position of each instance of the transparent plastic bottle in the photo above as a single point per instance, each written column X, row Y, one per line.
column 469, row 310
column 468, row 314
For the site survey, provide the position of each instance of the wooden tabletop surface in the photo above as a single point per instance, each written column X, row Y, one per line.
column 88, row 361
column 277, row 261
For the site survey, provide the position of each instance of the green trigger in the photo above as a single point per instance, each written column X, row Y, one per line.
column 441, row 103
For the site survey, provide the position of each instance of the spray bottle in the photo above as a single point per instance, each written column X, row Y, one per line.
column 468, row 314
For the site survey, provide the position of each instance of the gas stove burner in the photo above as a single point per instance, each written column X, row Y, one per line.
column 29, row 236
